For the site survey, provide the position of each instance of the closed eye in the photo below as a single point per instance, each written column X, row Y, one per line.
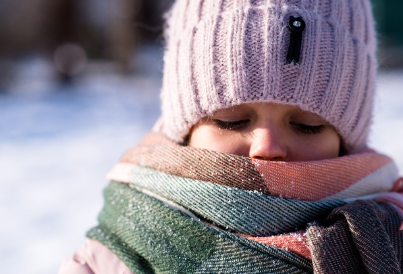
column 308, row 129
column 230, row 125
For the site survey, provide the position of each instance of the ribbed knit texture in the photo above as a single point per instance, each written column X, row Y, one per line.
column 222, row 53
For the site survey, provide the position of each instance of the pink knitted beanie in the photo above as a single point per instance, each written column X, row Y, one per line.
column 315, row 54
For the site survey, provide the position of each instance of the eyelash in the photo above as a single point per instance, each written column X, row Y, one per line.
column 230, row 125
column 233, row 125
column 308, row 129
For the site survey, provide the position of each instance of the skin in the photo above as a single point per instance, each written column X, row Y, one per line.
column 267, row 131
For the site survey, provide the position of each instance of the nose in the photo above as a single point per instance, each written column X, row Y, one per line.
column 267, row 144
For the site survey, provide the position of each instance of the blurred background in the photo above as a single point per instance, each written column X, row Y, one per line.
column 79, row 84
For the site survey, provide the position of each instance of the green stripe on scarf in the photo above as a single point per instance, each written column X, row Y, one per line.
column 150, row 237
column 247, row 212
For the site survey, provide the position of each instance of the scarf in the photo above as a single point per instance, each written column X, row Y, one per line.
column 175, row 209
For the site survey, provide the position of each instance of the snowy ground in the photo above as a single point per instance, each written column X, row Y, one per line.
column 57, row 144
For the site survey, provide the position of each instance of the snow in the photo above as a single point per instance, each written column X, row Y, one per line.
column 387, row 131
column 57, row 144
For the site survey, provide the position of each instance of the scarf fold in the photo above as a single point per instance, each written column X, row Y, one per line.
column 174, row 209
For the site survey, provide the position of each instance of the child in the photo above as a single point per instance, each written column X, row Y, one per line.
column 259, row 163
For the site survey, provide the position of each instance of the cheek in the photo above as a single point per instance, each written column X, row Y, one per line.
column 212, row 138
column 332, row 142
column 323, row 146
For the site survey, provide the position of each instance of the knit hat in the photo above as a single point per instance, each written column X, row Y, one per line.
column 315, row 54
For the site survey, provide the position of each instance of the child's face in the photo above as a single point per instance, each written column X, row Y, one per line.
column 267, row 131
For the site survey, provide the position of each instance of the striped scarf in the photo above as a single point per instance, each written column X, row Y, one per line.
column 175, row 209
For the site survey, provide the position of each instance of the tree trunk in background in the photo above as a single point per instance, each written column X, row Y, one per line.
column 388, row 14
column 123, row 37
